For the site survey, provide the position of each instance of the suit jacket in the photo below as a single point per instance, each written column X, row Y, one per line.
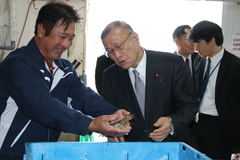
column 227, row 93
column 102, row 63
column 194, row 56
column 169, row 92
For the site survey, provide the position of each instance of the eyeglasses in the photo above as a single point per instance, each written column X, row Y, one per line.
column 188, row 40
column 110, row 52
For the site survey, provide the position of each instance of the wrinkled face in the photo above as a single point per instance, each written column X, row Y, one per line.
column 205, row 49
column 53, row 46
column 130, row 53
column 185, row 47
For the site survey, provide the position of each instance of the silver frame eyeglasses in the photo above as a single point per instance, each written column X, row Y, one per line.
column 117, row 48
column 188, row 40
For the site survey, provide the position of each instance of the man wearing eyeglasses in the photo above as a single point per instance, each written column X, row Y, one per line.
column 167, row 105
column 185, row 48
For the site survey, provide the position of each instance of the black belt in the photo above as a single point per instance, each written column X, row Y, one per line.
column 207, row 115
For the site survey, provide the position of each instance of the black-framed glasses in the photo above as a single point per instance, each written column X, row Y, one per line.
column 110, row 52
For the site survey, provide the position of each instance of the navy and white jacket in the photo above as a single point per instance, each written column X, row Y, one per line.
column 36, row 107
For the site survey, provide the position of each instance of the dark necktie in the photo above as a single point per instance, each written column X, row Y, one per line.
column 205, row 80
column 187, row 63
column 139, row 91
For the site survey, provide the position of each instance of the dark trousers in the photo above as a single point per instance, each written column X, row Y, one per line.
column 211, row 138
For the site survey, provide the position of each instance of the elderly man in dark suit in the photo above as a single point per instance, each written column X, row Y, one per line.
column 218, row 121
column 167, row 105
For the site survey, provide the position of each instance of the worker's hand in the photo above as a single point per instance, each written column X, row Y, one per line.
column 163, row 129
column 116, row 139
column 102, row 124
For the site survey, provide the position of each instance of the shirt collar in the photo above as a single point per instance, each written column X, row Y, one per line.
column 215, row 59
column 184, row 58
column 141, row 68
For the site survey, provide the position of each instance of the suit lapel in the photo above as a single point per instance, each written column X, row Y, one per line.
column 153, row 80
column 222, row 68
column 198, row 71
column 128, row 91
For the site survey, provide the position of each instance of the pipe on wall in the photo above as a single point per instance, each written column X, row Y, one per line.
column 12, row 25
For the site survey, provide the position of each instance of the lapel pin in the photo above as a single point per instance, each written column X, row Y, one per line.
column 157, row 75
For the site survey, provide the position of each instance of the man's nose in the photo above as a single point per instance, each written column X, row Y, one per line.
column 117, row 53
column 67, row 43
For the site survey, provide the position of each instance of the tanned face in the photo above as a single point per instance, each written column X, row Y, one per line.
column 60, row 39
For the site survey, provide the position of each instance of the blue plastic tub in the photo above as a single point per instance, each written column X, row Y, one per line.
column 111, row 151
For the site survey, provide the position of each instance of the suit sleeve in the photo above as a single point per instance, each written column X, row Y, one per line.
column 184, row 96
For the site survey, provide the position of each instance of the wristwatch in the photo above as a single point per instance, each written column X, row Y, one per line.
column 171, row 126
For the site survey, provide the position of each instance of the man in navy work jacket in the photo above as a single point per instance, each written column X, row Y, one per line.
column 42, row 95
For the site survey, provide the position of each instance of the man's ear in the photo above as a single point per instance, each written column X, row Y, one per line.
column 177, row 41
column 40, row 30
column 135, row 37
column 213, row 41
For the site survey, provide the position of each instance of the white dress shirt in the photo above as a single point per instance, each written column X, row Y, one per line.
column 208, row 105
column 184, row 59
column 141, row 68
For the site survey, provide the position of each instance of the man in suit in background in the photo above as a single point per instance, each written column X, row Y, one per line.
column 218, row 121
column 185, row 48
column 167, row 105
column 103, row 63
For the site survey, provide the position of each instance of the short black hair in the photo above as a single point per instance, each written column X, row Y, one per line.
column 206, row 30
column 51, row 13
column 114, row 24
column 180, row 30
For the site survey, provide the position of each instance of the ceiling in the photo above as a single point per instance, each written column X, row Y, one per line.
column 224, row 0
column 215, row 0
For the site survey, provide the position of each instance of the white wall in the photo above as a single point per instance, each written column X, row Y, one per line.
column 230, row 23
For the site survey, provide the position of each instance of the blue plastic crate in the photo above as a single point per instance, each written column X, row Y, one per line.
column 111, row 151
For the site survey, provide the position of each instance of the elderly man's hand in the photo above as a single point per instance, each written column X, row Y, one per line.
column 163, row 130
